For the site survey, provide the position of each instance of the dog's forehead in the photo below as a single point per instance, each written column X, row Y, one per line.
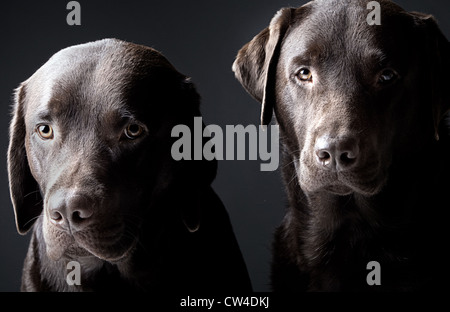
column 94, row 75
column 341, row 27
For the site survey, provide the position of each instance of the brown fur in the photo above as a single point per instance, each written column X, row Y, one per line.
column 134, row 218
column 365, row 175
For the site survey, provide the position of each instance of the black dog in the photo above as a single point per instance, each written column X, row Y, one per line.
column 366, row 156
column 90, row 166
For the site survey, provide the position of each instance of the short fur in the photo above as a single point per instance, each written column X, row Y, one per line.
column 134, row 218
column 365, row 161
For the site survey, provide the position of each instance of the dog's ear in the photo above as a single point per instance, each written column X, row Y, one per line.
column 438, row 48
column 257, row 60
column 25, row 195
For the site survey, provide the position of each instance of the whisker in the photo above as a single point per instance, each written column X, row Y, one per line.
column 32, row 220
column 31, row 193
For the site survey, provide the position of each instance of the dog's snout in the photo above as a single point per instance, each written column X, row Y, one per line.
column 70, row 212
column 340, row 154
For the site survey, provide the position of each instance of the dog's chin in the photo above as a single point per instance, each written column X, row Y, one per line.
column 342, row 185
column 338, row 189
column 112, row 253
column 72, row 248
column 341, row 189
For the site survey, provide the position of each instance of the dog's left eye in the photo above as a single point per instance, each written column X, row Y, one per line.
column 45, row 132
column 304, row 74
column 387, row 76
column 133, row 131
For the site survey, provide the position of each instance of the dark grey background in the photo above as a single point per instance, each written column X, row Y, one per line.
column 201, row 39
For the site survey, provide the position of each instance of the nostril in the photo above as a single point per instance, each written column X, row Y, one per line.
column 324, row 157
column 347, row 157
column 323, row 154
column 80, row 208
column 56, row 217
column 76, row 217
column 81, row 214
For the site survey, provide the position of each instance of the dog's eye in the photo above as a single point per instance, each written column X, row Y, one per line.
column 387, row 76
column 133, row 131
column 45, row 132
column 304, row 74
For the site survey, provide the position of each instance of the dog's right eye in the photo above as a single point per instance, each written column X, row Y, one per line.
column 45, row 132
column 387, row 76
column 133, row 131
column 304, row 75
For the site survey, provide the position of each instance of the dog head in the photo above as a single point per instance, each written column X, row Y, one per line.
column 90, row 147
column 351, row 97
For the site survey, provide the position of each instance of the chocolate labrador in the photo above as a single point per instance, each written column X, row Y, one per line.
column 360, row 106
column 91, row 173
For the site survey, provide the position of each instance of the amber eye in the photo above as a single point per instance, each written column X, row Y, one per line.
column 45, row 132
column 133, row 131
column 387, row 76
column 304, row 74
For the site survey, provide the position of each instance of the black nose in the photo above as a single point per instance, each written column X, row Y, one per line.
column 340, row 153
column 70, row 211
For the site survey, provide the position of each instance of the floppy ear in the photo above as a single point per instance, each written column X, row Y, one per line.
column 24, row 190
column 439, row 49
column 256, row 62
